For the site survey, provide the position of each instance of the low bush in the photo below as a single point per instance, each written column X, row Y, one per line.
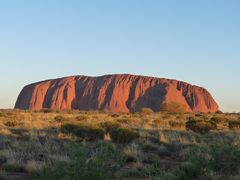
column 109, row 126
column 177, row 124
column 157, row 121
column 114, row 115
column 87, row 132
column 123, row 135
column 124, row 121
column 11, row 123
column 234, row 125
column 200, row 126
column 60, row 118
column 218, row 119
column 81, row 118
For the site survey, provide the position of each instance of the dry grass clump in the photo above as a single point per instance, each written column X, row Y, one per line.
column 181, row 137
column 114, row 115
column 132, row 153
column 159, row 124
column 124, row 121
column 177, row 124
column 11, row 123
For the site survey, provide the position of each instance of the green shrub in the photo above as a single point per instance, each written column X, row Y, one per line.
column 11, row 123
column 212, row 161
column 60, row 118
column 225, row 158
column 200, row 126
column 87, row 132
column 146, row 110
column 109, row 126
column 123, row 135
column 173, row 107
column 234, row 125
column 99, row 162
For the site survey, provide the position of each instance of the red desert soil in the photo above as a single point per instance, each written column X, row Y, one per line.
column 116, row 93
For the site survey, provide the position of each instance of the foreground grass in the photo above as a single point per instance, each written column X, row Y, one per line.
column 93, row 145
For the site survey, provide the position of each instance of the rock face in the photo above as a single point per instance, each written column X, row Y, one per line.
column 116, row 93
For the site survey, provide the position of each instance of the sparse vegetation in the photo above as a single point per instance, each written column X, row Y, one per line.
column 86, row 162
column 92, row 145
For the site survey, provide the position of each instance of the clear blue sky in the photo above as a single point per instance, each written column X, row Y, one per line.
column 194, row 41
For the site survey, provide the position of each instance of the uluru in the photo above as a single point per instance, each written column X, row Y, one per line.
column 115, row 93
